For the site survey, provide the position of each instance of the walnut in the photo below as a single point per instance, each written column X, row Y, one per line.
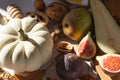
column 56, row 11
column 39, row 5
column 41, row 16
column 6, row 75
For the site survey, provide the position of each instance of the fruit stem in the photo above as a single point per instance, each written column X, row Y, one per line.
column 22, row 35
column 70, row 58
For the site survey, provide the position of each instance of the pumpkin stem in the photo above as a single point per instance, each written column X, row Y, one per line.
column 22, row 34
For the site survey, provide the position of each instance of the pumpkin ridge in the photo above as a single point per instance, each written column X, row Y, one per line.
column 6, row 29
column 32, row 57
column 18, row 57
column 15, row 24
column 40, row 33
column 15, row 48
column 9, row 51
column 38, row 27
column 2, row 43
column 32, row 39
column 29, row 28
column 33, row 42
column 28, row 25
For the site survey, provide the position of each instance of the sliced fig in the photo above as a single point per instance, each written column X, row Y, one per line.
column 86, row 48
column 110, row 63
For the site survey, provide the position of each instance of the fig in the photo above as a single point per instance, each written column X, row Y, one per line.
column 86, row 48
column 77, row 23
column 110, row 64
column 71, row 67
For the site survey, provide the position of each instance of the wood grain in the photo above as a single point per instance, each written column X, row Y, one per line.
column 36, row 75
column 113, row 6
column 104, row 76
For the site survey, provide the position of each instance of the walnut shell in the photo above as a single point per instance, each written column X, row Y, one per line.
column 42, row 17
column 39, row 5
column 64, row 47
column 56, row 11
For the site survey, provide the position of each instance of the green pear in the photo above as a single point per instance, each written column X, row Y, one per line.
column 77, row 23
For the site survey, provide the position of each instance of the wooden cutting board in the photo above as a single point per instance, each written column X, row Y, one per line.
column 104, row 76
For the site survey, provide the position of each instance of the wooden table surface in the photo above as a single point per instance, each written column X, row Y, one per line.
column 114, row 8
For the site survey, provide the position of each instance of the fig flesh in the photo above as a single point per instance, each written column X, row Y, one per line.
column 110, row 63
column 86, row 48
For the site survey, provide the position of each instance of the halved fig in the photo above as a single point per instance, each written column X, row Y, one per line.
column 86, row 48
column 110, row 63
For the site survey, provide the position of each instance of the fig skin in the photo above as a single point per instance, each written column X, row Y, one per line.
column 69, row 68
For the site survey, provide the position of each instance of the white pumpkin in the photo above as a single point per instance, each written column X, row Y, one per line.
column 25, row 45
